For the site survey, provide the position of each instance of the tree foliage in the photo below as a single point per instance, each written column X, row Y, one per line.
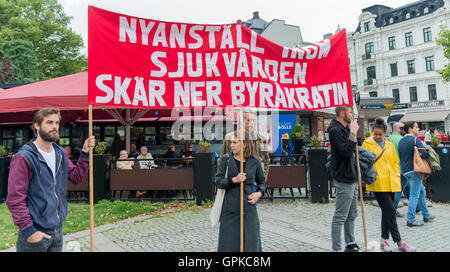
column 23, row 59
column 444, row 41
column 39, row 29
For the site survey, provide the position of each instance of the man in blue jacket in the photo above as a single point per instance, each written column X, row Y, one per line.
column 37, row 185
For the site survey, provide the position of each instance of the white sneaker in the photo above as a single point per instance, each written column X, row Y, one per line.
column 384, row 246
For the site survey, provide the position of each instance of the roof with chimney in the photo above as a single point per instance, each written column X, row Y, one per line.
column 256, row 24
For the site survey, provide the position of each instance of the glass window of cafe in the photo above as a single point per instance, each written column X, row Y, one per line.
column 13, row 138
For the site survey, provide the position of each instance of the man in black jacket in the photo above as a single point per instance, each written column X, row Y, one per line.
column 342, row 132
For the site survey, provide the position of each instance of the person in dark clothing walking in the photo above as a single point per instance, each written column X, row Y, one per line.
column 229, row 231
column 140, row 142
column 116, row 146
column 37, row 185
column 342, row 132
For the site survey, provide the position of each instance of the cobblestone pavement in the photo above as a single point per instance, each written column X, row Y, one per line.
column 286, row 226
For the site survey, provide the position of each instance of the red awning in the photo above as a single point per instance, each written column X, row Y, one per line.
column 66, row 93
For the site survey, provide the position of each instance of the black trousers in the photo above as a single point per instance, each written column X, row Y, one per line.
column 388, row 216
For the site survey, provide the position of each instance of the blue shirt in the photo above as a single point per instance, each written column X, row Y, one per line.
column 406, row 152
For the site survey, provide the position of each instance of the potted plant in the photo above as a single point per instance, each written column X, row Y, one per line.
column 435, row 141
column 204, row 146
column 204, row 172
column 316, row 142
column 297, row 138
column 4, row 172
column 317, row 173
column 3, row 151
column 100, row 148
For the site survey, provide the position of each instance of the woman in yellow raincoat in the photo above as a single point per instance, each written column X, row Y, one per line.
column 387, row 183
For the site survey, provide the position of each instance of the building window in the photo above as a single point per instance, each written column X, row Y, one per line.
column 408, row 39
column 373, row 94
column 411, row 67
column 391, row 43
column 396, row 95
column 394, row 71
column 429, row 61
column 370, row 48
column 408, row 15
column 432, row 95
column 413, row 94
column 427, row 35
column 391, row 20
column 367, row 27
column 371, row 73
column 426, row 10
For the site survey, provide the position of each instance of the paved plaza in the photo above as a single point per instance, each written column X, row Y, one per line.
column 286, row 226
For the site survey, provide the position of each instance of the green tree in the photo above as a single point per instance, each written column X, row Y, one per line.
column 23, row 58
column 46, row 26
column 444, row 41
column 7, row 70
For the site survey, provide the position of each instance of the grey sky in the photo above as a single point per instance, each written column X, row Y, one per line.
column 315, row 18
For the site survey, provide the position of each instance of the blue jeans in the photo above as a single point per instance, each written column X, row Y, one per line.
column 54, row 244
column 416, row 196
column 345, row 213
column 398, row 195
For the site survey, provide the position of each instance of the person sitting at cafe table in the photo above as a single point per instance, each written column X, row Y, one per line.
column 146, row 159
column 145, row 162
column 134, row 153
column 125, row 163
column 189, row 153
column 170, row 154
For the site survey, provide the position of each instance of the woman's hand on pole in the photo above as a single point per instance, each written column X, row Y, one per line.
column 241, row 177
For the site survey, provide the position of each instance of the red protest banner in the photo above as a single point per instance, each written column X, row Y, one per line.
column 143, row 63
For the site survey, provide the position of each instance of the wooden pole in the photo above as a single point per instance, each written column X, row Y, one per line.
column 361, row 197
column 360, row 189
column 241, row 124
column 91, row 181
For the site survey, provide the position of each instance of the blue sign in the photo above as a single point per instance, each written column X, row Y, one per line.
column 282, row 125
column 377, row 106
column 445, row 151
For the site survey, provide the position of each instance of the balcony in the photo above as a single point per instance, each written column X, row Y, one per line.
column 370, row 82
column 367, row 56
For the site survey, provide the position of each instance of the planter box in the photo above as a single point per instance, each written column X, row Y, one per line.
column 439, row 182
column 317, row 173
column 298, row 146
column 101, row 179
column 204, row 173
column 4, row 173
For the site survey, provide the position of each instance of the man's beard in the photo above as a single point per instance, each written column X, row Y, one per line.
column 48, row 136
column 348, row 120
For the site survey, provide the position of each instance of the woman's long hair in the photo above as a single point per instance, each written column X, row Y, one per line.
column 249, row 145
